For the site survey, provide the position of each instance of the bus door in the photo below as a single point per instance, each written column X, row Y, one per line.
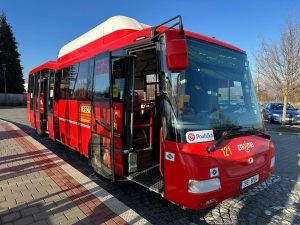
column 41, row 103
column 101, row 143
column 36, row 92
column 56, row 97
column 31, row 99
column 107, row 107
column 50, row 105
column 45, row 99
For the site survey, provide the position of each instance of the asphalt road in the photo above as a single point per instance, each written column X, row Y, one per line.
column 276, row 201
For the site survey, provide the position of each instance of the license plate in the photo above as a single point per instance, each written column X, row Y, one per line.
column 249, row 181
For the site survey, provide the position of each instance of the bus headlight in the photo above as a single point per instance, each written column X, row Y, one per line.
column 204, row 186
column 272, row 164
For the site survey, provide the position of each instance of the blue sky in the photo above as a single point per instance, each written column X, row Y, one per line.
column 42, row 27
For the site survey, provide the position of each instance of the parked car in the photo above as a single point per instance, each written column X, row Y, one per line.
column 272, row 112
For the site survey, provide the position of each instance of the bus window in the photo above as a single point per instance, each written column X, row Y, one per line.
column 72, row 76
column 82, row 82
column 90, row 79
column 30, row 84
column 119, row 67
column 36, row 88
column 67, row 82
column 101, row 79
column 30, row 89
column 101, row 89
column 51, row 91
column 58, row 76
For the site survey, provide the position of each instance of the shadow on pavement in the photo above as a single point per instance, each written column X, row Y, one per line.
column 148, row 204
column 261, row 205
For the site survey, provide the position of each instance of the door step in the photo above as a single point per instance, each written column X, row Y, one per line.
column 149, row 178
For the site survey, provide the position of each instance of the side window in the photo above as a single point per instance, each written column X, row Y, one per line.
column 64, row 84
column 57, row 86
column 51, row 90
column 90, row 78
column 82, row 86
column 101, row 78
column 30, row 84
column 67, row 82
column 72, row 76
column 30, row 89
column 118, row 76
column 36, row 87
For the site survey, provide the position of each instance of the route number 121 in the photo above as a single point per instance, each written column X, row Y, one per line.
column 226, row 151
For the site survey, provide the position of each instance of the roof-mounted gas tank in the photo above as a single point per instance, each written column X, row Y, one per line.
column 109, row 26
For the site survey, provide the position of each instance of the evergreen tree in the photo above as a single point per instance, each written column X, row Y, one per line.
column 9, row 56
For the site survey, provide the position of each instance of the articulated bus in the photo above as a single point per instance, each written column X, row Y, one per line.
column 169, row 109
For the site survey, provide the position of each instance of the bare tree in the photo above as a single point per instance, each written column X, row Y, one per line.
column 278, row 63
column 263, row 91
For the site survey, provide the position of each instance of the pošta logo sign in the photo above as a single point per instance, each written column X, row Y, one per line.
column 199, row 136
column 245, row 146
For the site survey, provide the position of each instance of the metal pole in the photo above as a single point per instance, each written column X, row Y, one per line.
column 4, row 69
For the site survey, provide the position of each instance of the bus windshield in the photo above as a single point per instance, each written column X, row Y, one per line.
column 216, row 91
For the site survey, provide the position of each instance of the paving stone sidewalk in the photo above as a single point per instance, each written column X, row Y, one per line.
column 38, row 187
column 275, row 201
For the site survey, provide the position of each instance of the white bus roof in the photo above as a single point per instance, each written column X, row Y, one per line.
column 112, row 24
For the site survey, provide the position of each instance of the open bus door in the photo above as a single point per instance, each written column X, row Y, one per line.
column 34, row 99
column 101, row 145
column 41, row 97
column 103, row 124
column 37, row 88
column 50, row 105
column 31, row 99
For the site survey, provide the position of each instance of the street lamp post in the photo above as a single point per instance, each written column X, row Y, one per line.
column 4, row 70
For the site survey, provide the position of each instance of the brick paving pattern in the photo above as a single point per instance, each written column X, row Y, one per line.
column 37, row 187
column 276, row 201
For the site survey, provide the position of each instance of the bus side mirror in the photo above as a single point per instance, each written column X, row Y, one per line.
column 176, row 51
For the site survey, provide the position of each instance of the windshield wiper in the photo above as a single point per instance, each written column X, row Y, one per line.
column 236, row 132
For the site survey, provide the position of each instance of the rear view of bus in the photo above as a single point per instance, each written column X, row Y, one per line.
column 215, row 144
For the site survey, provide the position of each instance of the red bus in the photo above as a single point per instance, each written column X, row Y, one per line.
column 171, row 110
